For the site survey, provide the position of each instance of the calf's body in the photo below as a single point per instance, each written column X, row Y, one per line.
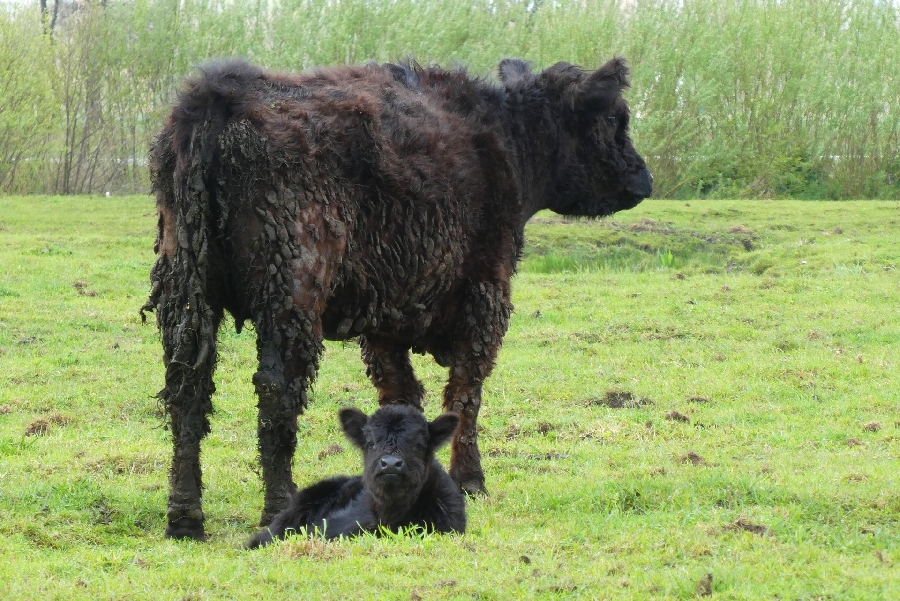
column 402, row 485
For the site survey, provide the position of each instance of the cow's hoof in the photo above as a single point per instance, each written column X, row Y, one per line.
column 185, row 527
column 266, row 518
column 474, row 489
column 472, row 484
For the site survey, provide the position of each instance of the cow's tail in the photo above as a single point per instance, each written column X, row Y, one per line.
column 183, row 167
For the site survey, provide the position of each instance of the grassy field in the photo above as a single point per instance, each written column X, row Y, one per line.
column 694, row 399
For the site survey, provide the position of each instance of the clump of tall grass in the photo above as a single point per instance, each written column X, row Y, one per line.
column 746, row 98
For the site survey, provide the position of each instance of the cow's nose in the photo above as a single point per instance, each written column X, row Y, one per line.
column 641, row 184
column 391, row 464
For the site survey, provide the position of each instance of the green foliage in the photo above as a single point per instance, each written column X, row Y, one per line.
column 26, row 98
column 767, row 325
column 754, row 98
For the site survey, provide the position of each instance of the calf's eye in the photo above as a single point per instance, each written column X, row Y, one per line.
column 611, row 119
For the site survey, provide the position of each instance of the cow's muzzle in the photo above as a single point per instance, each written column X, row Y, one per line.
column 640, row 185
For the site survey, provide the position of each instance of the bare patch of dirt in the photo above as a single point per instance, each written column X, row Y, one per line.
column 559, row 589
column 747, row 526
column 693, row 458
column 698, row 399
column 513, row 432
column 59, row 419
column 740, row 229
column 334, row 449
column 834, row 232
column 317, row 548
column 704, row 587
column 668, row 333
column 82, row 289
column 4, row 409
column 545, row 427
column 872, row 427
column 103, row 514
column 675, row 416
column 142, row 464
column 548, row 456
column 649, row 225
column 853, row 442
column 39, row 427
column 620, row 399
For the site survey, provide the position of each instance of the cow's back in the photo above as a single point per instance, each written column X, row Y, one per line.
column 375, row 189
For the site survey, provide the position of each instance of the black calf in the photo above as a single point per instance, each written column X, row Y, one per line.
column 402, row 483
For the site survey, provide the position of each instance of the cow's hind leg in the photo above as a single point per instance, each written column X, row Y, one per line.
column 190, row 356
column 288, row 349
column 477, row 342
column 391, row 372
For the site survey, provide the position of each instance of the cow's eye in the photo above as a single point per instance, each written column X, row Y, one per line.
column 370, row 444
column 611, row 119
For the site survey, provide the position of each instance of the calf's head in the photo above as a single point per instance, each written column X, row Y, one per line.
column 594, row 168
column 398, row 446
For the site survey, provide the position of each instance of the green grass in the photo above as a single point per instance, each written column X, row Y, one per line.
column 771, row 326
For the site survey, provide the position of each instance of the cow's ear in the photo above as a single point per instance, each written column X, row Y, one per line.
column 513, row 70
column 601, row 88
column 441, row 430
column 353, row 421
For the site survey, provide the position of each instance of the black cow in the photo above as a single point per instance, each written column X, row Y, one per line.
column 402, row 484
column 383, row 202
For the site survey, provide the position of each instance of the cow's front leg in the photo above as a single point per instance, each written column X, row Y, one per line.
column 391, row 372
column 482, row 325
column 288, row 349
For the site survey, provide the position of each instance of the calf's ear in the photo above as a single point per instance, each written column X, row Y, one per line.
column 600, row 89
column 353, row 421
column 441, row 430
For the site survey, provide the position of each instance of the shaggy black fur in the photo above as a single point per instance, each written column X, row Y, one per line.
column 384, row 202
column 402, row 484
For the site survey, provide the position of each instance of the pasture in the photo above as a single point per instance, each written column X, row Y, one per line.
column 695, row 399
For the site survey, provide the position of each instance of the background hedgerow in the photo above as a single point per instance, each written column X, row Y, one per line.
column 732, row 98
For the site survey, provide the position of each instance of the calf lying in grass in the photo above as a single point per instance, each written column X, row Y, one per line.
column 402, row 484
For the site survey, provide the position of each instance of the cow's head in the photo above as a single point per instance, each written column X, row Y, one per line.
column 398, row 446
column 594, row 169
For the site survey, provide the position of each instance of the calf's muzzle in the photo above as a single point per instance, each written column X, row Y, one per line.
column 390, row 466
